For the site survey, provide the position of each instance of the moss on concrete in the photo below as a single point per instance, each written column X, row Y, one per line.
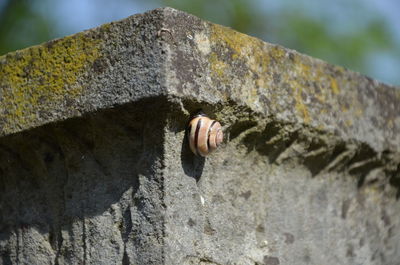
column 273, row 79
column 42, row 76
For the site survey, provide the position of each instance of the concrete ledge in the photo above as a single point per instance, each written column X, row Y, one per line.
column 114, row 64
column 130, row 59
column 95, row 167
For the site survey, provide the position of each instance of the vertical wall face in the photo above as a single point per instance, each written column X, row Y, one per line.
column 86, row 191
column 309, row 172
column 278, row 193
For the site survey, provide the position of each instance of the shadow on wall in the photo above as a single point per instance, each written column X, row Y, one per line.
column 54, row 177
column 192, row 165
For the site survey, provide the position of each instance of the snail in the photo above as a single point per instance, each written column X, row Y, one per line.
column 204, row 134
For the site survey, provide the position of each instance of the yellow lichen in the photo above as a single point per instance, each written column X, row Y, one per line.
column 320, row 97
column 304, row 69
column 348, row 122
column 241, row 45
column 390, row 124
column 237, row 48
column 233, row 39
column 314, row 85
column 41, row 76
column 334, row 86
column 218, row 66
column 300, row 106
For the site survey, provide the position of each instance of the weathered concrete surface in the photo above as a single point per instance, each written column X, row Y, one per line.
column 94, row 167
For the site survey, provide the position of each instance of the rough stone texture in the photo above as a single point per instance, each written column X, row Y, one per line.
column 95, row 168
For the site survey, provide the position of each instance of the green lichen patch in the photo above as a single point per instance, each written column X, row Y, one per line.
column 35, row 79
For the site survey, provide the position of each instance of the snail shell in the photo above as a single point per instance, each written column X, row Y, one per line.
column 204, row 134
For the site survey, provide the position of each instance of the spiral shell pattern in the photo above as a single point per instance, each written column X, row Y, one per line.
column 204, row 134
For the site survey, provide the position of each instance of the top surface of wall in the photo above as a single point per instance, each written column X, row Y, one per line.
column 168, row 52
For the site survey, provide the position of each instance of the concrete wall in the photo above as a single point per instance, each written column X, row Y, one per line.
column 95, row 167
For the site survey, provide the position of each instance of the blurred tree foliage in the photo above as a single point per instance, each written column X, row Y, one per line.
column 241, row 15
column 310, row 27
column 21, row 25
